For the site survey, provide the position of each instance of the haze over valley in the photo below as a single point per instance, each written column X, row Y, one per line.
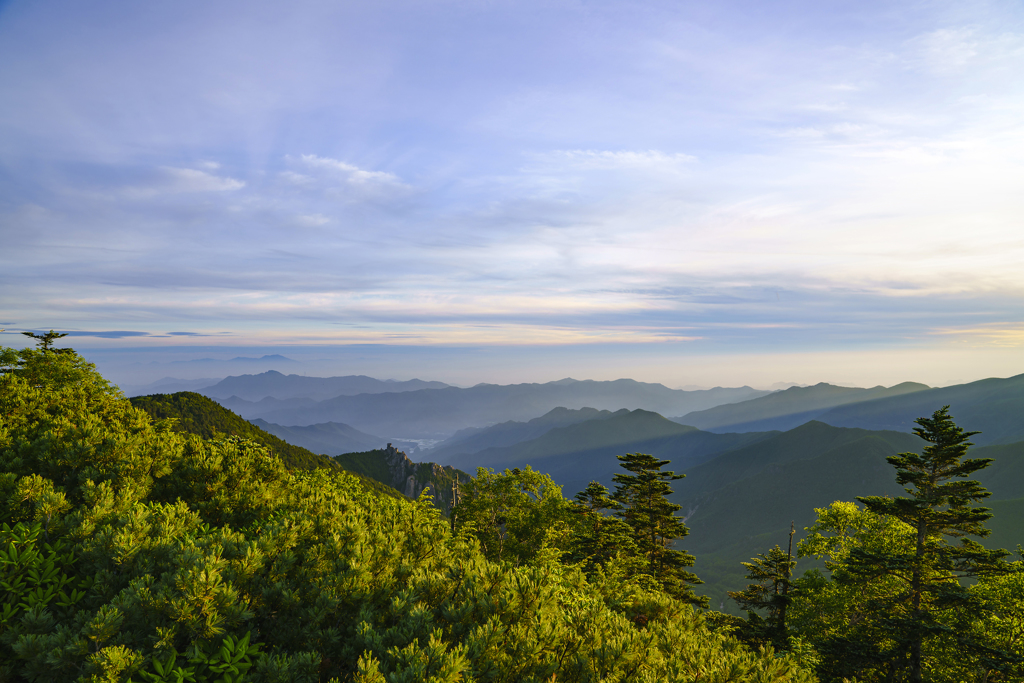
column 754, row 460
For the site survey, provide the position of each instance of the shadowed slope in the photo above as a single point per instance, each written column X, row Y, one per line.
column 992, row 406
column 787, row 409
column 580, row 453
column 474, row 440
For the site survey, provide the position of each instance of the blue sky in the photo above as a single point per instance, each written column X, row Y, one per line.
column 706, row 193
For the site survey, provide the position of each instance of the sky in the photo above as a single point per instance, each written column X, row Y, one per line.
column 690, row 193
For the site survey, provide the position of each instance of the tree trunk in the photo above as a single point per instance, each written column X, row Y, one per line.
column 915, row 592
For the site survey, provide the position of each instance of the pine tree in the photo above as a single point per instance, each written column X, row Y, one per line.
column 647, row 510
column 772, row 574
column 45, row 340
column 599, row 538
column 940, row 505
column 173, row 557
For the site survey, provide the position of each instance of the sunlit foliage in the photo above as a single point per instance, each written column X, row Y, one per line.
column 134, row 552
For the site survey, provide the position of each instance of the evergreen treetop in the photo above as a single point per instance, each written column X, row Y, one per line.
column 45, row 341
column 772, row 574
column 940, row 505
column 599, row 539
column 643, row 496
column 134, row 552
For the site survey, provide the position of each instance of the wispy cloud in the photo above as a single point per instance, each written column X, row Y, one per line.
column 348, row 172
column 627, row 160
column 169, row 180
column 713, row 176
column 1005, row 335
column 116, row 334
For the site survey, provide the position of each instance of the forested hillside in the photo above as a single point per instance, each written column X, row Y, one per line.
column 194, row 413
column 134, row 550
column 576, row 454
column 379, row 470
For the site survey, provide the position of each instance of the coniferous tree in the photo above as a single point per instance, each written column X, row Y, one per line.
column 940, row 505
column 772, row 573
column 655, row 524
column 129, row 551
column 45, row 341
column 599, row 538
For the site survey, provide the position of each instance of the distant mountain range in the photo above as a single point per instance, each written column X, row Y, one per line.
column 580, row 453
column 742, row 490
column 167, row 385
column 787, row 409
column 439, row 413
column 995, row 407
column 332, row 438
column 476, row 439
column 991, row 406
column 273, row 384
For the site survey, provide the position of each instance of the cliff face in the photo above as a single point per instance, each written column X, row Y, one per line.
column 412, row 478
column 394, row 468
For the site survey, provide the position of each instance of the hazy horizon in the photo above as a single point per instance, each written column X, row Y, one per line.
column 462, row 367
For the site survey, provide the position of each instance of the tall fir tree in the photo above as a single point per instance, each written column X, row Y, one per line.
column 45, row 341
column 599, row 538
column 929, row 570
column 772, row 576
column 643, row 496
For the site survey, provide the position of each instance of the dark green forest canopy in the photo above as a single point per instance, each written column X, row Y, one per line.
column 135, row 548
column 194, row 413
column 202, row 416
column 910, row 594
column 137, row 552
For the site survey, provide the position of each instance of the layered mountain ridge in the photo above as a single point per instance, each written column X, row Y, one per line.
column 439, row 413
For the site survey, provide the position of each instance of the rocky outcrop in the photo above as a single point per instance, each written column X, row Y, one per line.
column 412, row 478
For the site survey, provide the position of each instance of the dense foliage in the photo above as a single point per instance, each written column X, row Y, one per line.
column 518, row 514
column 901, row 602
column 194, row 413
column 132, row 551
column 929, row 574
column 978, row 640
column 772, row 574
column 643, row 497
